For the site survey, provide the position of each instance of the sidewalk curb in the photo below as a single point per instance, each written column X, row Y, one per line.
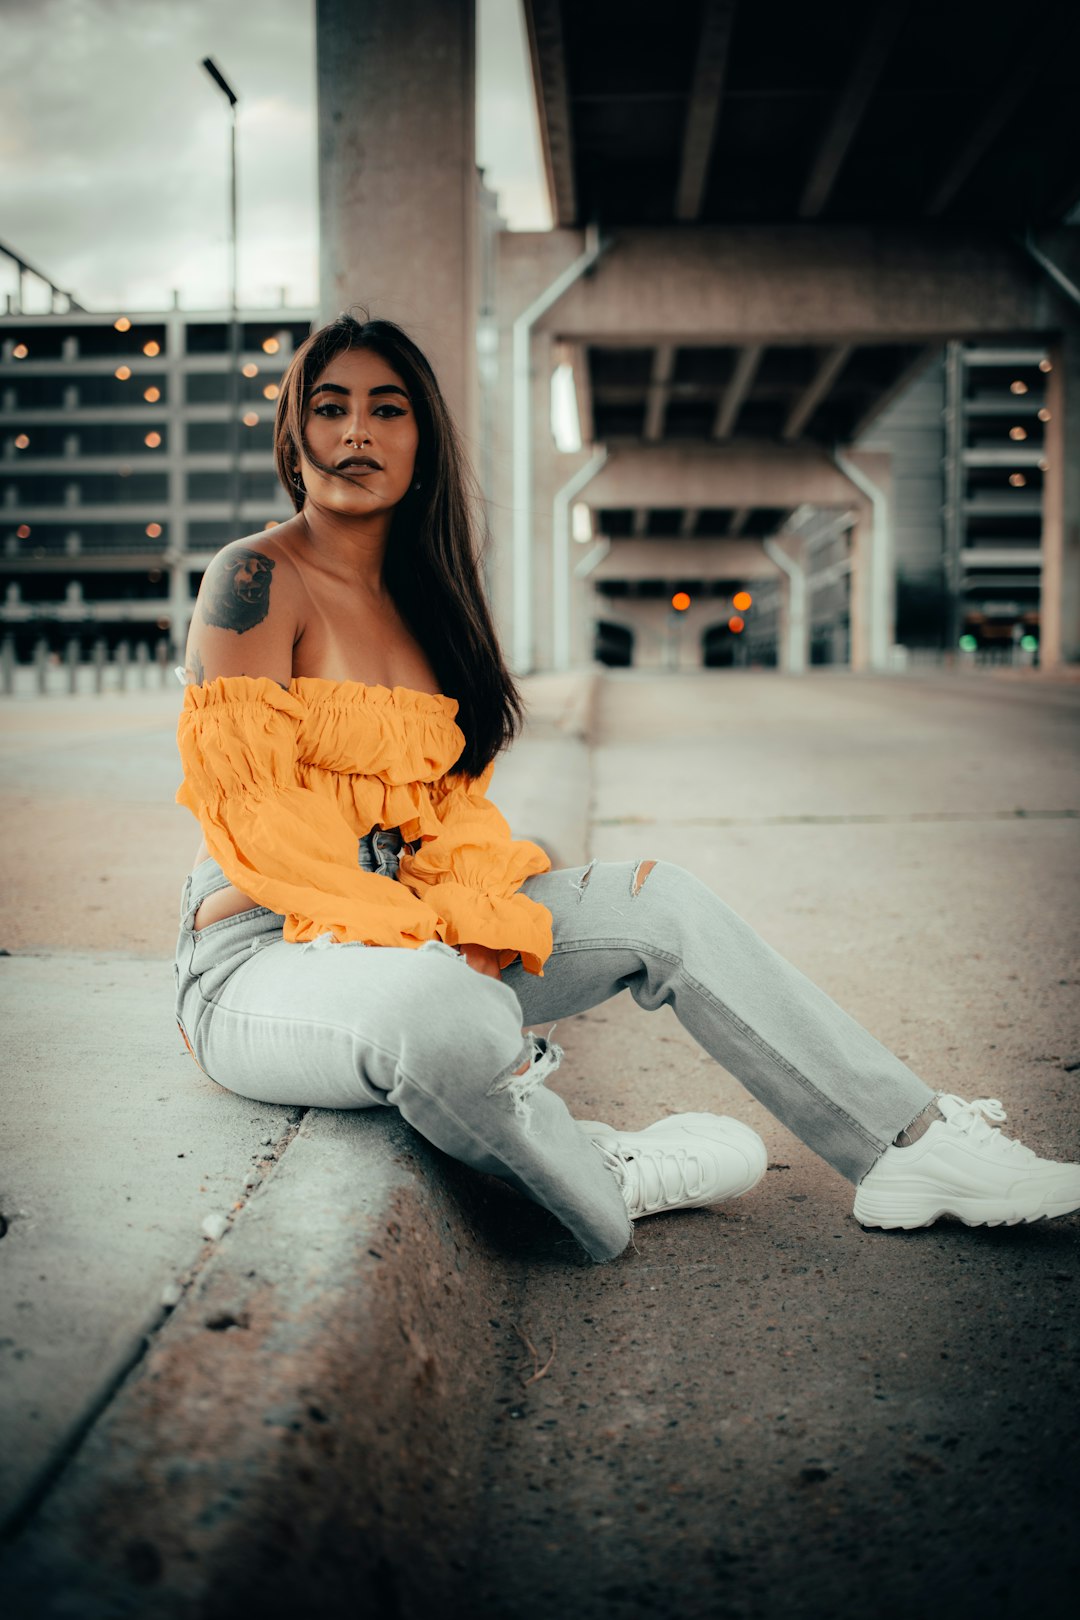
column 545, row 783
column 306, row 1408
column 306, row 1411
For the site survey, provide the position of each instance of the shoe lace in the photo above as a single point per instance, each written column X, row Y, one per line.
column 974, row 1119
column 665, row 1176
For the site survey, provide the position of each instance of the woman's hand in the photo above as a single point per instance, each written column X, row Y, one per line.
column 484, row 958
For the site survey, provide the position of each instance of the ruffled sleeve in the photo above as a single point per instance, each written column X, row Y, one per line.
column 287, row 846
column 471, row 872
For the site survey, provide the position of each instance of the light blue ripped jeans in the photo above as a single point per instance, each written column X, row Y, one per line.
column 342, row 1026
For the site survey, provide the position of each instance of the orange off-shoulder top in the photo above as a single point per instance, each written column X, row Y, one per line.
column 284, row 784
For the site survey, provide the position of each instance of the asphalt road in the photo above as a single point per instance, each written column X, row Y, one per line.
column 767, row 1411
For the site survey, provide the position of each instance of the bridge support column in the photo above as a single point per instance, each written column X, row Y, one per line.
column 788, row 552
column 398, row 188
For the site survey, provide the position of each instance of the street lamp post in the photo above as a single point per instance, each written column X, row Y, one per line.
column 233, row 392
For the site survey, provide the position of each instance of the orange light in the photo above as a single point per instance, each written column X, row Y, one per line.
column 273, row 523
column 23, row 531
column 271, row 391
column 736, row 624
column 152, row 395
column 1018, row 387
column 122, row 325
column 152, row 440
column 153, row 530
column 742, row 600
column 680, row 601
column 1045, row 365
column 122, row 373
column 22, row 440
column 1017, row 480
column 250, row 370
column 151, row 348
column 271, row 345
column 251, row 419
column 20, row 351
column 1044, row 415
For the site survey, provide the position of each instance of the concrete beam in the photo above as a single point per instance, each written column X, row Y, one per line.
column 685, row 559
column 543, row 21
column 659, row 391
column 727, row 412
column 703, row 111
column 811, row 397
column 748, row 472
column 854, row 99
column 751, row 284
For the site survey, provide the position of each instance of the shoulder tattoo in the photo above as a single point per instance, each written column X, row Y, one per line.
column 238, row 590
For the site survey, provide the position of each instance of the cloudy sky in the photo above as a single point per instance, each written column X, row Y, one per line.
column 113, row 145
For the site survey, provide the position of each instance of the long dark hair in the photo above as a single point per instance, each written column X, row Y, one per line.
column 437, row 540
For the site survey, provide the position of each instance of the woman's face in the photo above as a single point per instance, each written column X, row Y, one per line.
column 359, row 412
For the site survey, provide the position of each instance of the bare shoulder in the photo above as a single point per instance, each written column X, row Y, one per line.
column 247, row 617
column 247, row 575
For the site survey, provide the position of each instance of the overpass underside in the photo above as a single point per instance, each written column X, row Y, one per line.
column 769, row 224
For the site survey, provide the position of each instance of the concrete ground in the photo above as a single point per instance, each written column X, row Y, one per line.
column 759, row 1411
column 767, row 1411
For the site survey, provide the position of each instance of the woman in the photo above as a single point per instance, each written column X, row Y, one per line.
column 360, row 929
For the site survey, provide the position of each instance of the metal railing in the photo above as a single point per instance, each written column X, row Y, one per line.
column 51, row 674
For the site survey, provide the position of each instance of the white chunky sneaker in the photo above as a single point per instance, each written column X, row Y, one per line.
column 682, row 1162
column 963, row 1166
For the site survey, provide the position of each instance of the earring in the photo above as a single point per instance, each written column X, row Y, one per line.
column 417, row 484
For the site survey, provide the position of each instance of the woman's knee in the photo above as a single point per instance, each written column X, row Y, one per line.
column 465, row 1027
column 661, row 888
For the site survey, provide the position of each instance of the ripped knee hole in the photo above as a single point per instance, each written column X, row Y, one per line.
column 641, row 872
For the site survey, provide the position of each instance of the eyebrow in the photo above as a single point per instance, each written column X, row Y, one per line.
column 336, row 388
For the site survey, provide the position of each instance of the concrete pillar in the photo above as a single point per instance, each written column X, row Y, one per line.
column 873, row 570
column 861, row 540
column 1060, row 608
column 398, row 188
column 793, row 619
column 518, row 284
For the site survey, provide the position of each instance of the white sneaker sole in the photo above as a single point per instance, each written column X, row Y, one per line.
column 895, row 1212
